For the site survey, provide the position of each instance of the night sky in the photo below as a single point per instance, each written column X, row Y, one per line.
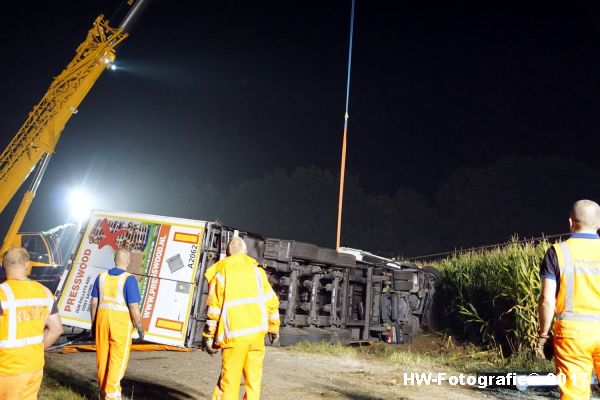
column 222, row 92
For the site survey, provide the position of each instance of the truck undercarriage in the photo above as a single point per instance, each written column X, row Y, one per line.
column 331, row 296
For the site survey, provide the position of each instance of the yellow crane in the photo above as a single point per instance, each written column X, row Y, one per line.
column 31, row 148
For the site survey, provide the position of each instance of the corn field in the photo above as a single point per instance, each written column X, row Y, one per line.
column 491, row 295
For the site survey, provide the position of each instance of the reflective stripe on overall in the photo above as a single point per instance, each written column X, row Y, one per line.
column 241, row 302
column 113, row 334
column 25, row 307
column 260, row 300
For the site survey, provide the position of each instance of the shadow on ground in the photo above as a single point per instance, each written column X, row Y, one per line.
column 81, row 386
column 352, row 394
column 132, row 388
column 138, row 389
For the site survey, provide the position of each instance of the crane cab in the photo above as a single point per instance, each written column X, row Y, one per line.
column 48, row 253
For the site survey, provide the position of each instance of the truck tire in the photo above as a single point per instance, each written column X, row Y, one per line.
column 436, row 274
column 305, row 251
column 327, row 256
column 346, row 260
column 338, row 335
column 290, row 336
column 317, row 335
column 414, row 324
column 410, row 329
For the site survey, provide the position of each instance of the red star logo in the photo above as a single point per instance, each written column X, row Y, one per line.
column 110, row 237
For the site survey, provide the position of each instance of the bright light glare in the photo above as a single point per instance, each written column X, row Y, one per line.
column 113, row 67
column 80, row 204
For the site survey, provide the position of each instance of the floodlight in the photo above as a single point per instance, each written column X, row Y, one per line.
column 80, row 204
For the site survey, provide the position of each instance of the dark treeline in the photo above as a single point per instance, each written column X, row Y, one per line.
column 473, row 206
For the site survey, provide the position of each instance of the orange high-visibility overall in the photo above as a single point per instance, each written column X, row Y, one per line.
column 577, row 326
column 242, row 308
column 113, row 334
column 25, row 306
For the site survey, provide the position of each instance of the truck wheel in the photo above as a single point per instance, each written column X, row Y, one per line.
column 436, row 274
column 305, row 251
column 318, row 335
column 291, row 336
column 327, row 256
column 414, row 325
column 410, row 329
column 338, row 335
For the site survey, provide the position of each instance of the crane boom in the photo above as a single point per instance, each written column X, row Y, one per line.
column 35, row 142
column 40, row 132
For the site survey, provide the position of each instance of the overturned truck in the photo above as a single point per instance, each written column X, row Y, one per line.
column 325, row 295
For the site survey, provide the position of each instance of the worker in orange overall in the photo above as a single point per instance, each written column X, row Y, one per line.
column 29, row 323
column 242, row 308
column 115, row 311
column 570, row 275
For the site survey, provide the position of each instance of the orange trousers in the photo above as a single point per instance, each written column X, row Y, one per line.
column 576, row 354
column 242, row 358
column 113, row 343
column 22, row 386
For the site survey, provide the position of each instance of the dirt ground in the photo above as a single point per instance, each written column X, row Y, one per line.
column 287, row 375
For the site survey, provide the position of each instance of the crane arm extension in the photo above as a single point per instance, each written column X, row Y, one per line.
column 40, row 132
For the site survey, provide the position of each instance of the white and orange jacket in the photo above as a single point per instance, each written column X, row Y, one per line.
column 241, row 302
column 25, row 306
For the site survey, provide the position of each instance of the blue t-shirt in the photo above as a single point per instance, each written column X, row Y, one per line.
column 131, row 292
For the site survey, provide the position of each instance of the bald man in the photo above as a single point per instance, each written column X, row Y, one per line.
column 29, row 323
column 115, row 311
column 570, row 276
column 242, row 309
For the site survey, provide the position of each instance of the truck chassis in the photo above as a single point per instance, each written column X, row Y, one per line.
column 327, row 295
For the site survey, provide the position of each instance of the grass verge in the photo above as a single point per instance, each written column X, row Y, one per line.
column 58, row 385
column 436, row 351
